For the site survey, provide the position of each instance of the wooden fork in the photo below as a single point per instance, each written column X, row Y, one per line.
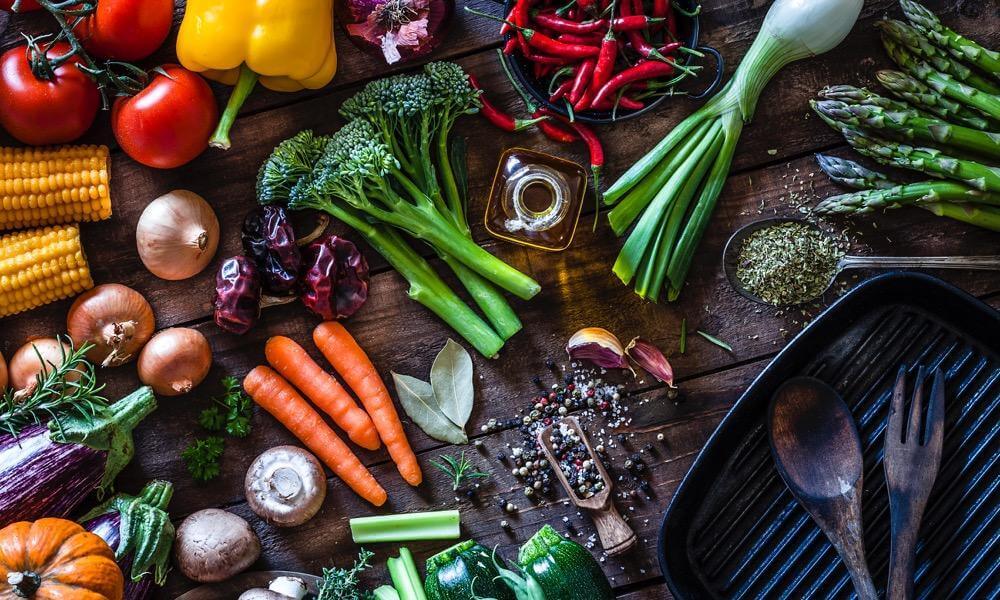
column 912, row 457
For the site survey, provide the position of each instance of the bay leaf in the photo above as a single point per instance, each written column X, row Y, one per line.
column 451, row 380
column 418, row 401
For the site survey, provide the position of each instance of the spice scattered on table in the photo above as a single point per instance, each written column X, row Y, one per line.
column 575, row 462
column 787, row 263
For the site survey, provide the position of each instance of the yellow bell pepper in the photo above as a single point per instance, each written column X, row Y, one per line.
column 287, row 45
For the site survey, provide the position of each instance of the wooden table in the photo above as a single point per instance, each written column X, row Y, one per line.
column 774, row 171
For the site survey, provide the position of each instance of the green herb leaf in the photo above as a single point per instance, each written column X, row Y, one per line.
column 682, row 345
column 715, row 341
column 417, row 399
column 212, row 419
column 344, row 584
column 202, row 457
column 451, row 381
column 459, row 469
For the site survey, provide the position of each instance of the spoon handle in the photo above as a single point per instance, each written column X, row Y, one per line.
column 985, row 263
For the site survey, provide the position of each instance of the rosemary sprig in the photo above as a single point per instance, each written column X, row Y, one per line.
column 458, row 469
column 70, row 388
column 715, row 341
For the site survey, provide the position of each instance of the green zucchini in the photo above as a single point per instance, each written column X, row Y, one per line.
column 564, row 569
column 463, row 572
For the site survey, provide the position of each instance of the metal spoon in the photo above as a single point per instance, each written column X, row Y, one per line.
column 816, row 447
column 730, row 258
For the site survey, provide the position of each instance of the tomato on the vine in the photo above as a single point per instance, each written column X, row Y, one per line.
column 26, row 5
column 169, row 122
column 38, row 111
column 127, row 30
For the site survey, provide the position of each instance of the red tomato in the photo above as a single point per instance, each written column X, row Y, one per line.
column 26, row 5
column 126, row 30
column 169, row 122
column 41, row 112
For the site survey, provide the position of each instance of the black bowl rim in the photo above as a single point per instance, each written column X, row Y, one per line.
column 604, row 117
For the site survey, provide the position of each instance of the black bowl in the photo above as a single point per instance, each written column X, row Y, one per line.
column 689, row 28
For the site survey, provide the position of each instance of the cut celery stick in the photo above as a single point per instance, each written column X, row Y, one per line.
column 405, row 577
column 410, row 527
column 386, row 592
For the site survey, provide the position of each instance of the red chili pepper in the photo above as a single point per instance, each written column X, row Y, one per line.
column 505, row 27
column 510, row 45
column 623, row 102
column 596, row 153
column 649, row 69
column 561, row 91
column 554, row 131
column 497, row 116
column 605, row 61
column 591, row 39
column 554, row 47
column 562, row 25
column 582, row 79
column 548, row 60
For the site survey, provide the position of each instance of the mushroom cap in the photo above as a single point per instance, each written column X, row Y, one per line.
column 262, row 594
column 293, row 587
column 285, row 486
column 213, row 545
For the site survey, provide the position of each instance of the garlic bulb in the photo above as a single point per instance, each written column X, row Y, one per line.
column 177, row 235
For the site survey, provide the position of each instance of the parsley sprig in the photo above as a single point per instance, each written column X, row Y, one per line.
column 231, row 414
column 459, row 469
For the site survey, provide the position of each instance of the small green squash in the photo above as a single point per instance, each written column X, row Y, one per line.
column 463, row 572
column 564, row 569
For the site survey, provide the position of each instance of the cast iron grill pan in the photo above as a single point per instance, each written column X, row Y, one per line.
column 733, row 530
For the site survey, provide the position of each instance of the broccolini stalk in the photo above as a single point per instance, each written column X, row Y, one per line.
column 908, row 125
column 942, row 83
column 921, row 47
column 960, row 47
column 414, row 115
column 292, row 163
column 918, row 94
column 927, row 160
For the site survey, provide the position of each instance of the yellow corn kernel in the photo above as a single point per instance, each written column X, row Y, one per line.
column 53, row 186
column 38, row 266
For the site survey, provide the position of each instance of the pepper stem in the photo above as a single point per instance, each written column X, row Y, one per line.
column 244, row 85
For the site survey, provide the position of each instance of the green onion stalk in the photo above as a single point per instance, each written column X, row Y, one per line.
column 670, row 193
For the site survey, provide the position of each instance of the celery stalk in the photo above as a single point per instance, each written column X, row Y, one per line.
column 386, row 592
column 405, row 577
column 437, row 525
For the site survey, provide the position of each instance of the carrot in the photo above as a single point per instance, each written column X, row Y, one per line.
column 294, row 364
column 354, row 366
column 275, row 395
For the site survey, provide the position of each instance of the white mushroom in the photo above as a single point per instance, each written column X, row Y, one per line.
column 213, row 545
column 285, row 486
column 281, row 588
column 262, row 594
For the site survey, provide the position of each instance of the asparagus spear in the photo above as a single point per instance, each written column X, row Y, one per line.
column 851, row 174
column 918, row 94
column 865, row 201
column 909, row 125
column 943, row 83
column 987, row 217
column 857, row 95
column 959, row 46
column 921, row 47
column 927, row 160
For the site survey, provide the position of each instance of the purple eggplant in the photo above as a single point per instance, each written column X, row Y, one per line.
column 47, row 470
column 139, row 530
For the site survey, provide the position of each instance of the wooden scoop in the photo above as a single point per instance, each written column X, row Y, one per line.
column 616, row 535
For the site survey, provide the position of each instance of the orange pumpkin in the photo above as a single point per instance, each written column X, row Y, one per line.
column 56, row 559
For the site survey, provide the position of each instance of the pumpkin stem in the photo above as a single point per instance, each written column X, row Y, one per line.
column 25, row 583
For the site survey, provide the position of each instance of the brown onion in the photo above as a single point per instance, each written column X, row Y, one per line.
column 25, row 367
column 3, row 374
column 175, row 361
column 177, row 235
column 116, row 319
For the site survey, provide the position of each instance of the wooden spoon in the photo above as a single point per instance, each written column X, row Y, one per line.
column 816, row 447
column 615, row 534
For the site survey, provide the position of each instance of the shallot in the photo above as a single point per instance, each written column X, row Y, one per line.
column 177, row 235
column 399, row 30
column 116, row 319
column 36, row 358
column 175, row 361
column 3, row 374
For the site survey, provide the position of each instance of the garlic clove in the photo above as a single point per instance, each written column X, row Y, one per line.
column 650, row 358
column 599, row 346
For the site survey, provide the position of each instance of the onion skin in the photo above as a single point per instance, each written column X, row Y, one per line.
column 24, row 364
column 175, row 361
column 354, row 16
column 3, row 374
column 116, row 319
column 177, row 235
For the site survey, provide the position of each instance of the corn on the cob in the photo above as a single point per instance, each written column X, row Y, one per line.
column 53, row 186
column 38, row 266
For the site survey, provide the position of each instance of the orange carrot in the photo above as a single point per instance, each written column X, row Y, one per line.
column 354, row 366
column 275, row 395
column 294, row 364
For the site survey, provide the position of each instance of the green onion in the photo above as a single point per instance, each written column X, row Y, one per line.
column 671, row 192
column 437, row 525
column 715, row 341
column 405, row 577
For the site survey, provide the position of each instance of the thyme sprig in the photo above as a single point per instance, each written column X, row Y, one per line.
column 459, row 469
column 345, row 584
column 69, row 388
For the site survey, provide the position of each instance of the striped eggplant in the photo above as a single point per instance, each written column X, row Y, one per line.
column 139, row 530
column 47, row 470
